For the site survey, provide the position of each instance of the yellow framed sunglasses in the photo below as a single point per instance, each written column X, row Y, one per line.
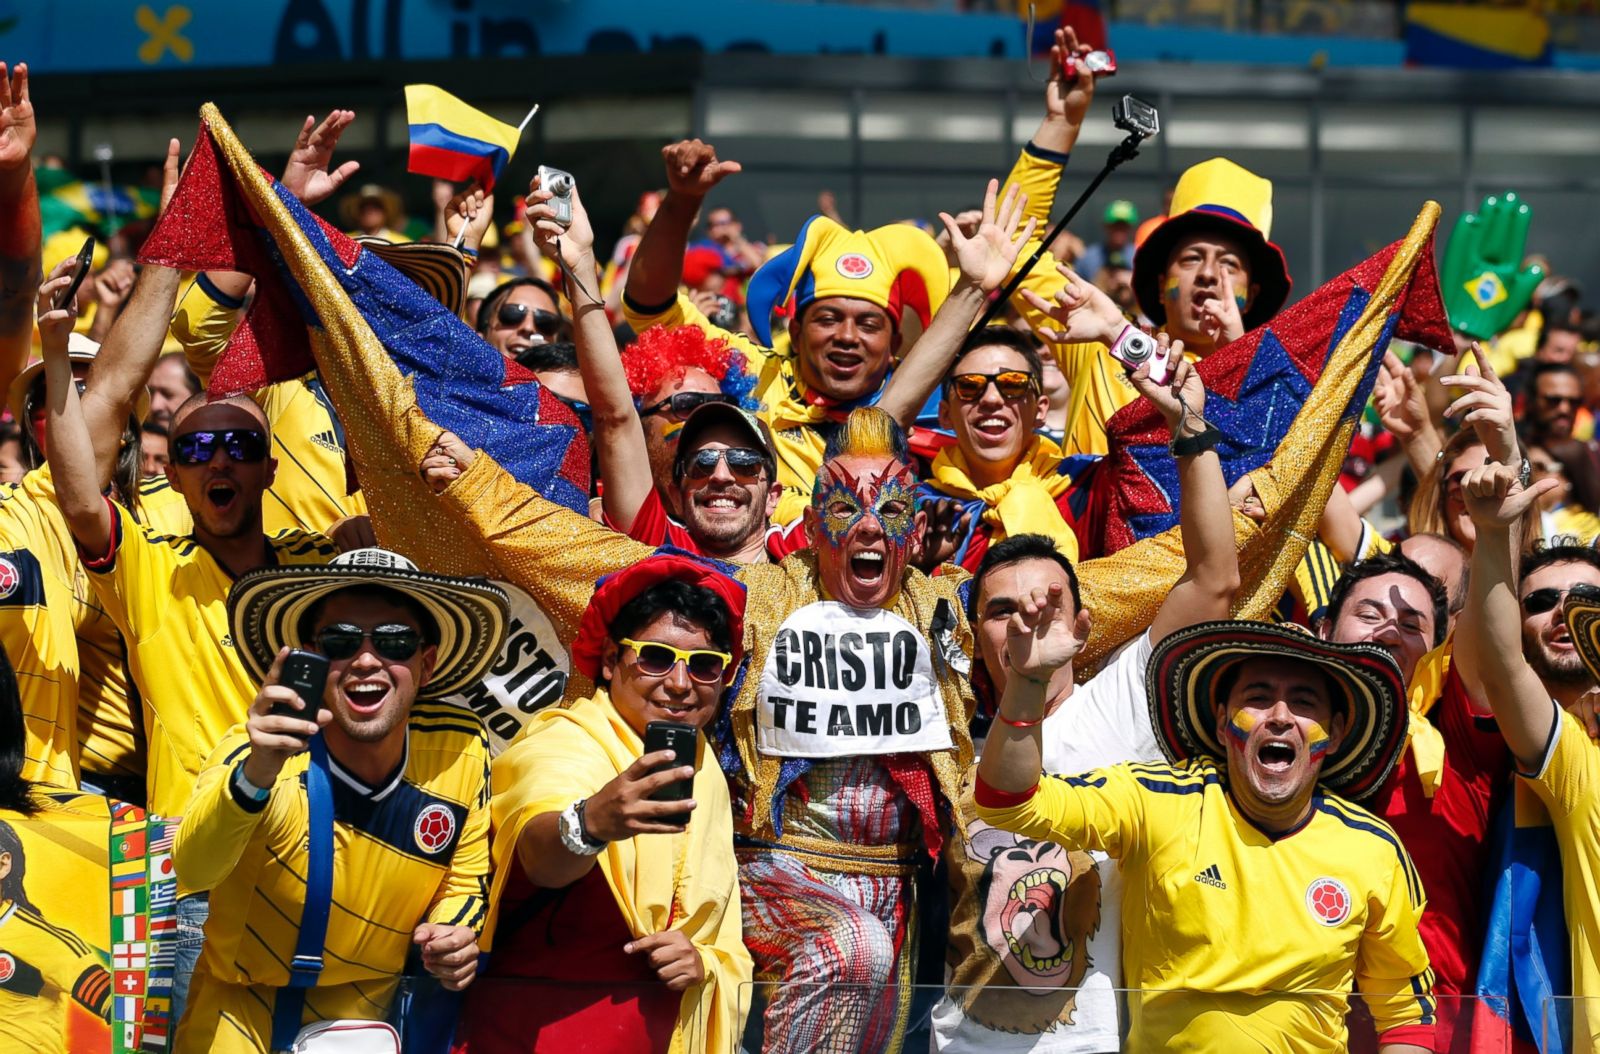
column 657, row 660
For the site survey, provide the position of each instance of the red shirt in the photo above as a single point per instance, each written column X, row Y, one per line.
column 585, row 994
column 652, row 526
column 1446, row 836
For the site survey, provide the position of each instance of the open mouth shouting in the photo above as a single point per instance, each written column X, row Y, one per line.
column 366, row 697
column 867, row 567
column 221, row 494
column 1277, row 755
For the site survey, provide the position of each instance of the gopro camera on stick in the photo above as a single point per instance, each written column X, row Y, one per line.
column 1136, row 117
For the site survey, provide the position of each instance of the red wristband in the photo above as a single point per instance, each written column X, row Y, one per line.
column 990, row 798
column 1018, row 724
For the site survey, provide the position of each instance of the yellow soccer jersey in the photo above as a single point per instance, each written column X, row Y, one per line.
column 169, row 597
column 1569, row 785
column 414, row 850
column 110, row 727
column 308, row 491
column 1240, row 941
column 44, row 968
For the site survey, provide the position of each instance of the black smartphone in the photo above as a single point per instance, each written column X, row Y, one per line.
column 680, row 739
column 307, row 673
column 79, row 273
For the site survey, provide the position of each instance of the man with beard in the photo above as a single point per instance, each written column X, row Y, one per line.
column 1441, row 796
column 1532, row 683
column 1256, row 896
column 1029, row 914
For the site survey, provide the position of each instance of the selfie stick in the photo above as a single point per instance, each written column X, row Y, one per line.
column 1123, row 151
column 461, row 235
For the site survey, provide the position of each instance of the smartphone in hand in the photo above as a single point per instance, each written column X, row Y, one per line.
column 80, row 271
column 680, row 739
column 307, row 673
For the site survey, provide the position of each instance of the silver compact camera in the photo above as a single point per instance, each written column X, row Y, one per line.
column 559, row 183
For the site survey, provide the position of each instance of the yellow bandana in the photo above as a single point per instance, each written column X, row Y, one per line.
column 1023, row 504
column 1425, row 741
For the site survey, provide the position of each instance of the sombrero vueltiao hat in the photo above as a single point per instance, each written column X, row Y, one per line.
column 1185, row 669
column 1217, row 195
column 265, row 608
column 79, row 349
column 1583, row 622
column 441, row 270
column 896, row 267
column 388, row 200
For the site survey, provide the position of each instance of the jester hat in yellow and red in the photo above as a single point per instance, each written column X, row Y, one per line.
column 895, row 267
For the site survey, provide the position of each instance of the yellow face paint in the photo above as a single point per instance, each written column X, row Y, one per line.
column 1318, row 740
column 1169, row 288
column 670, row 433
column 1239, row 726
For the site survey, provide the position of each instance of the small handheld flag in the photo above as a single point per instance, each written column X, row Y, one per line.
column 451, row 140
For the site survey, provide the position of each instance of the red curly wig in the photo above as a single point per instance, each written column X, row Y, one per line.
column 660, row 353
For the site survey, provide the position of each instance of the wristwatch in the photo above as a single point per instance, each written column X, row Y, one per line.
column 573, row 835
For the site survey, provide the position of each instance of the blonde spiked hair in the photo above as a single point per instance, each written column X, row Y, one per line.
column 867, row 432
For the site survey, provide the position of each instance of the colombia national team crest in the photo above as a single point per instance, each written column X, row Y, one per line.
column 853, row 265
column 435, row 827
column 10, row 578
column 8, row 967
column 1328, row 900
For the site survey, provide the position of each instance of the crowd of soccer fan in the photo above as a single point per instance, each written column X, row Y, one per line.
column 881, row 730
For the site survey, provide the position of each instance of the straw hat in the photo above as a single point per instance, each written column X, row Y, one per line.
column 266, row 606
column 1185, row 668
column 79, row 349
column 1583, row 622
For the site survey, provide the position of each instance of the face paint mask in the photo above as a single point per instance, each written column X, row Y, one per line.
column 848, row 507
column 845, row 501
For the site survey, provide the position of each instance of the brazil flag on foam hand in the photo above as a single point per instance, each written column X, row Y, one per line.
column 451, row 140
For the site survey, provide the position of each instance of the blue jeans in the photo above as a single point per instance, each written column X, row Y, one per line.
column 192, row 914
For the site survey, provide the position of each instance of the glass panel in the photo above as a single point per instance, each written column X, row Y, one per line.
column 1360, row 140
column 933, row 131
column 1269, row 138
column 1358, row 221
column 1512, row 143
column 780, row 127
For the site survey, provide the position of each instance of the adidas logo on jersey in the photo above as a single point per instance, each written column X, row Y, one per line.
column 328, row 441
column 1211, row 877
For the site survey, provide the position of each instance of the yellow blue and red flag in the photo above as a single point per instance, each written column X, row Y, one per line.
column 1483, row 36
column 451, row 140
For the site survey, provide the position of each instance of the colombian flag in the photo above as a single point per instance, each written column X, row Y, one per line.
column 450, row 140
column 1485, row 38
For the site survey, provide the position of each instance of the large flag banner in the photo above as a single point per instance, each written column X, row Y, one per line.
column 1287, row 397
column 451, row 140
column 381, row 345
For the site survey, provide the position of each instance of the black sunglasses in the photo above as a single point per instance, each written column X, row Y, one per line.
column 396, row 643
column 679, row 405
column 247, row 446
column 545, row 323
column 1541, row 600
column 744, row 463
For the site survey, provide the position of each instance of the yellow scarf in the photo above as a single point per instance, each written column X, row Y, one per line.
column 689, row 879
column 792, row 416
column 1022, row 504
column 1425, row 740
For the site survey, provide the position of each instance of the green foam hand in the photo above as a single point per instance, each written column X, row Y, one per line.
column 1484, row 283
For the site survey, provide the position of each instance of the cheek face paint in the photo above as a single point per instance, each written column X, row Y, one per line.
column 670, row 433
column 1317, row 740
column 1169, row 288
column 1239, row 726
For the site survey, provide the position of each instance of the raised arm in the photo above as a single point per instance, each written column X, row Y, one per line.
column 618, row 434
column 1205, row 518
column 985, row 260
column 20, row 270
column 67, row 443
column 1489, row 632
column 657, row 265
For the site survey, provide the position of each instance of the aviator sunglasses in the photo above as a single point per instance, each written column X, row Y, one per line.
column 657, row 660
column 679, row 405
column 545, row 323
column 244, row 445
column 744, row 463
column 396, row 643
column 1011, row 384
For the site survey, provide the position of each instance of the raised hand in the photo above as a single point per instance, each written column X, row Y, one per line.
column 1082, row 312
column 1486, row 407
column 473, row 209
column 275, row 738
column 948, row 523
column 1220, row 319
column 171, row 169
column 693, row 168
column 1495, row 497
column 18, row 130
column 1040, row 639
column 1067, row 97
column 1402, row 408
column 986, row 257
column 56, row 324
column 576, row 238
column 1181, row 398
column 306, row 175
column 112, row 286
